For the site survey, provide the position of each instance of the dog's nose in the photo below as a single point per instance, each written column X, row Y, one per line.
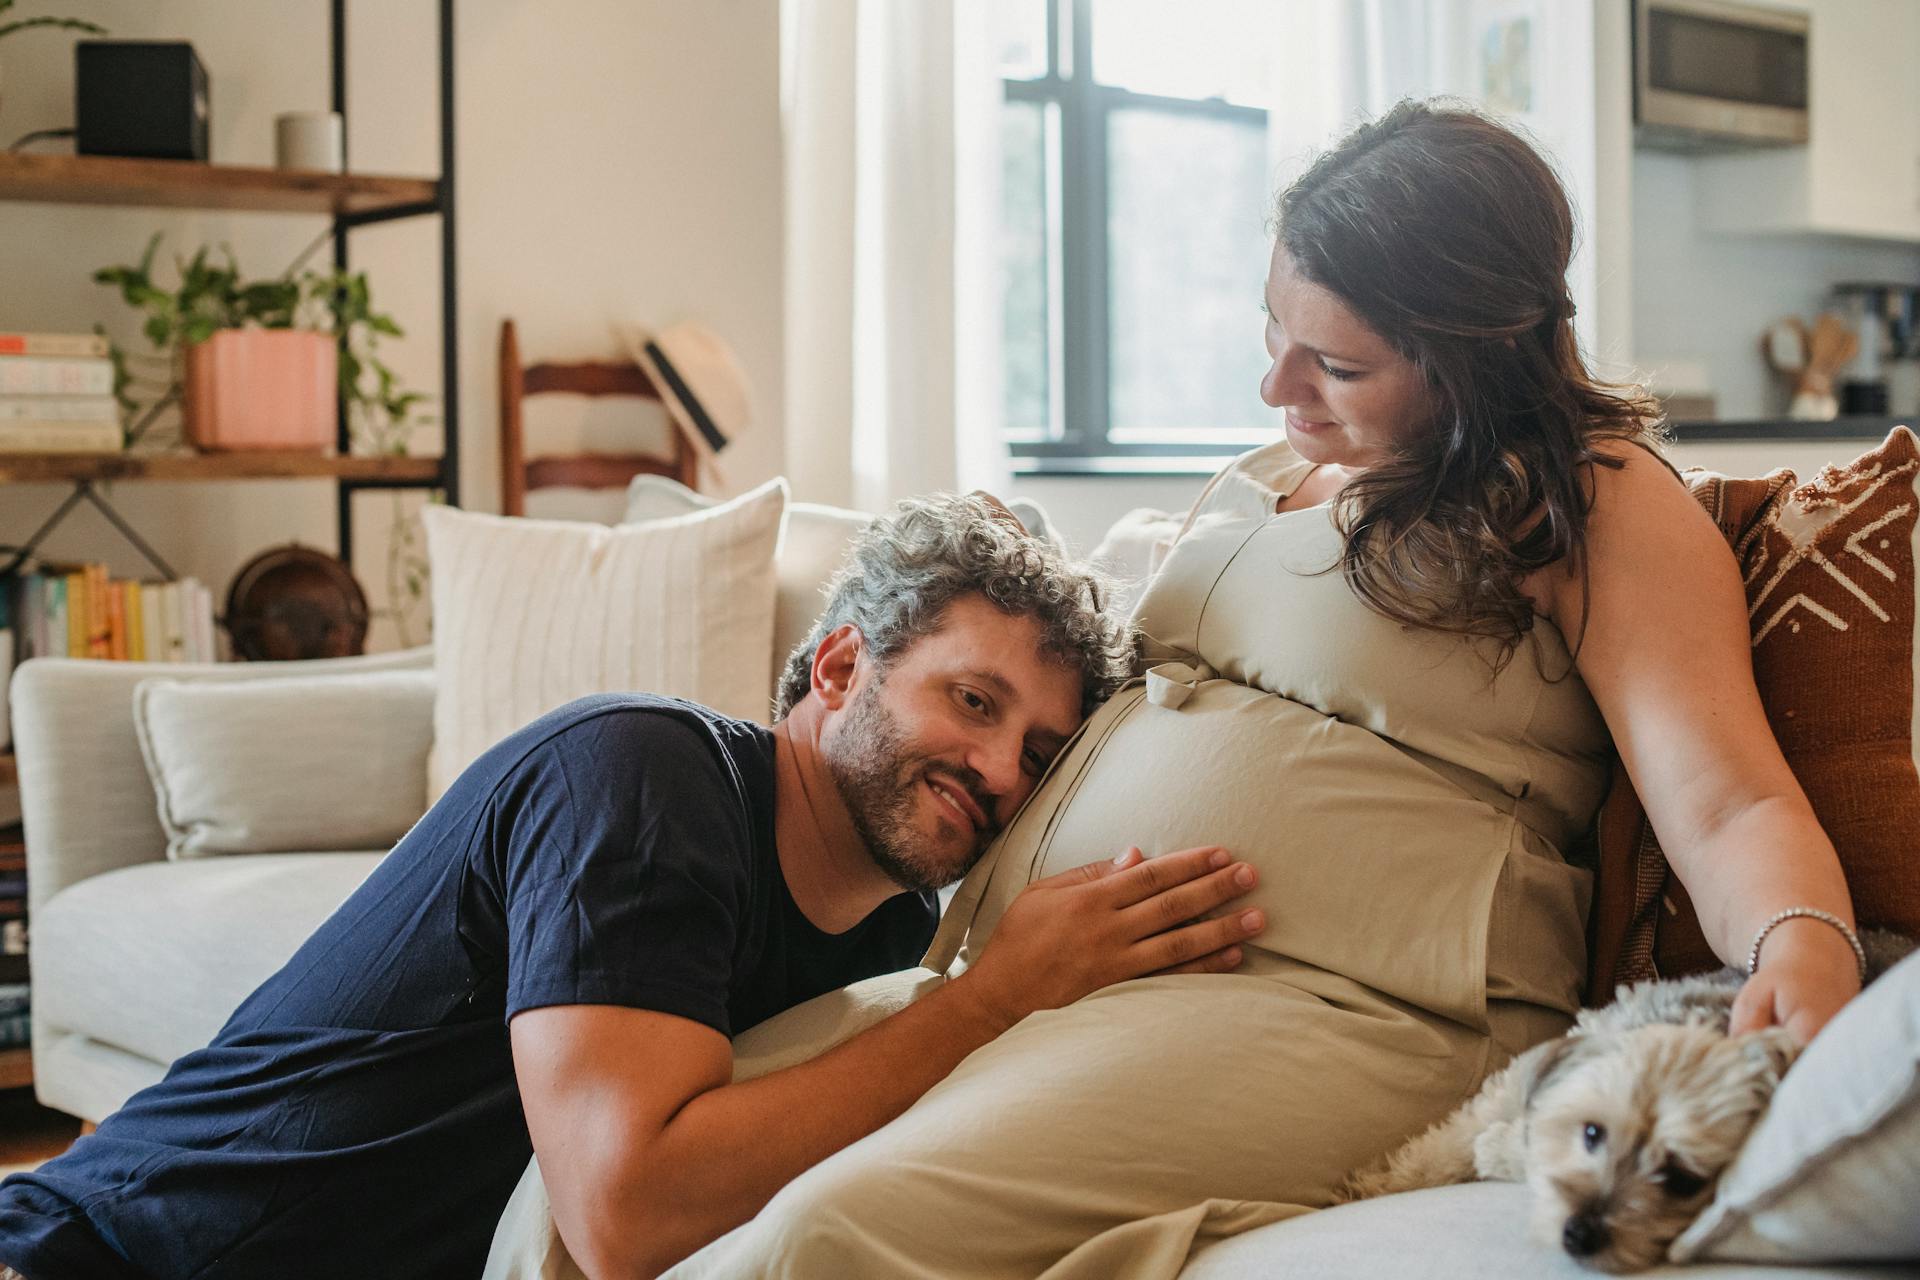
column 1584, row 1235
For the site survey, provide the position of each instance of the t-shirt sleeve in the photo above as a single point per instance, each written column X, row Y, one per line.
column 626, row 856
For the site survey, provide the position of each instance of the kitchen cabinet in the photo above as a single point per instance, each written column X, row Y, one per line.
column 1859, row 173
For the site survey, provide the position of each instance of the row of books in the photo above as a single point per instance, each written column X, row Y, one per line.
column 16, row 1019
column 77, row 611
column 56, row 394
column 13, row 936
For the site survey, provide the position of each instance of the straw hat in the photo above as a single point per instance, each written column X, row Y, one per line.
column 700, row 381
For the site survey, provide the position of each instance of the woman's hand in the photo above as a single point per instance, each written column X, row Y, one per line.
column 1070, row 934
column 1806, row 973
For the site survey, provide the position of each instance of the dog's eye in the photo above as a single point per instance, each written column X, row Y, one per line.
column 1592, row 1136
column 1679, row 1181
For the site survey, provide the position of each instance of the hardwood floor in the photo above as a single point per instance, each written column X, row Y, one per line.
column 29, row 1133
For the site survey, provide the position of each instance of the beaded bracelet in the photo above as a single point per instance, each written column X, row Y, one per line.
column 1812, row 913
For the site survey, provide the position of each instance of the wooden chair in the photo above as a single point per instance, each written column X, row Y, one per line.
column 518, row 474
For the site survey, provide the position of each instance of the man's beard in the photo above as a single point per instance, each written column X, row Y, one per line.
column 879, row 782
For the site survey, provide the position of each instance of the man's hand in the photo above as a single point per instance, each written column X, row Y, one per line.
column 1071, row 934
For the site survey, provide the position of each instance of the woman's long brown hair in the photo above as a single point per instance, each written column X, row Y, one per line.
column 1449, row 236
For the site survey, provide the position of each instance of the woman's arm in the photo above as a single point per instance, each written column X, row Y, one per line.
column 1668, row 659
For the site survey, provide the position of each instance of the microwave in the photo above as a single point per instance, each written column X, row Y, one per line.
column 1710, row 74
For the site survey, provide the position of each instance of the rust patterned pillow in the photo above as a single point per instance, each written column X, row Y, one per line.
column 1829, row 573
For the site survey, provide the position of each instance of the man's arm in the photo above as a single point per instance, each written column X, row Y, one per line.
column 649, row 1152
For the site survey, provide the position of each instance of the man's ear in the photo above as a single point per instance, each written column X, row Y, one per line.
column 836, row 662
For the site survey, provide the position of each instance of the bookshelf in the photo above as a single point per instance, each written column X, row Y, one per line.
column 191, row 184
column 30, row 468
column 348, row 201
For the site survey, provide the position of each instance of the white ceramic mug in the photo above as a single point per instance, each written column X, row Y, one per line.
column 312, row 140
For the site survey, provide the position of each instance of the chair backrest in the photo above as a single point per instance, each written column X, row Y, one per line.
column 518, row 473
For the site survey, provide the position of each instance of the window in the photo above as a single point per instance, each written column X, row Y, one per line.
column 1136, row 187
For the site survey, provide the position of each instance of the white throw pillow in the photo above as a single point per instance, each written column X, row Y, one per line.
column 271, row 765
column 531, row 614
column 812, row 548
column 1832, row 1172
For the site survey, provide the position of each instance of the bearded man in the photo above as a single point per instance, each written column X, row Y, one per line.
column 553, row 960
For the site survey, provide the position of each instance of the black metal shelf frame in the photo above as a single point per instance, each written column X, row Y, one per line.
column 449, row 283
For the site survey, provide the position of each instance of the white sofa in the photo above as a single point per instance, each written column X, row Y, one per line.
column 138, row 959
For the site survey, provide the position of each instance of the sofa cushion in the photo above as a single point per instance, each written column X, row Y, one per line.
column 813, row 545
column 531, row 614
column 152, row 959
column 1473, row 1232
column 1830, row 583
column 264, row 766
column 1832, row 1172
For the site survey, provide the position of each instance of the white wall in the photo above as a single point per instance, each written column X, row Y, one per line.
column 1706, row 296
column 619, row 160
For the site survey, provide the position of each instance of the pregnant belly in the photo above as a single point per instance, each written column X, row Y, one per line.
column 1372, row 866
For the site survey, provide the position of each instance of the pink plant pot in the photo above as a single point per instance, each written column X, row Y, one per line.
column 262, row 389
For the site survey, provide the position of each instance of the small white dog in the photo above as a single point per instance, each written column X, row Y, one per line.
column 1622, row 1126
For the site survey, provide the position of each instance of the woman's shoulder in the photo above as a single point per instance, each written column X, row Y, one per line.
column 1633, row 484
column 1640, row 487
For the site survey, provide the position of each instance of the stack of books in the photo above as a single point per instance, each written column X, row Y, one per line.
column 77, row 611
column 13, row 936
column 16, row 1018
column 56, row 394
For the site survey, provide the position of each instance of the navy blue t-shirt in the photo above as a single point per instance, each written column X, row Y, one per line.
column 358, row 1114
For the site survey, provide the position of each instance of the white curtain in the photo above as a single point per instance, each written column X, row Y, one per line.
column 892, row 186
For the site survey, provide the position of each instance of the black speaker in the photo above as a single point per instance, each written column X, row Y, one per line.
column 140, row 98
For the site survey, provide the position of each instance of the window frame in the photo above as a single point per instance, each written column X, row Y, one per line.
column 1080, row 437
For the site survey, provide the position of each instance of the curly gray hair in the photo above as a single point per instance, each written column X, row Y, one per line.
column 908, row 565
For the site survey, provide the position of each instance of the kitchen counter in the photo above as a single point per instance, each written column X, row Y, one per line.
column 1859, row 427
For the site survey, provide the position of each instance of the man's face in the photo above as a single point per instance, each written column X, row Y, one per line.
column 935, row 755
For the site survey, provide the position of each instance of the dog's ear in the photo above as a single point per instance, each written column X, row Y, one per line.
column 1771, row 1052
column 1541, row 1063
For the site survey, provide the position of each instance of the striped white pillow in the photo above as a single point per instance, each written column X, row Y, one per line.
column 531, row 614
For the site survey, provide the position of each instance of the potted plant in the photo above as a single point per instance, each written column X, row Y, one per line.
column 262, row 364
column 213, row 316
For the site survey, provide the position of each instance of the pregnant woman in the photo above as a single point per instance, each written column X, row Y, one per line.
column 1388, row 661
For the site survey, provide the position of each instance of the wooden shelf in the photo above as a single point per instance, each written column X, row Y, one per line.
column 32, row 468
column 9, row 772
column 189, row 184
column 16, row 1068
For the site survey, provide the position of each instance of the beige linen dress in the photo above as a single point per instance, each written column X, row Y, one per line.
column 1406, row 809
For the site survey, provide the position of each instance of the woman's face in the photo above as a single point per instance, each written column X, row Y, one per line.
column 1348, row 395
